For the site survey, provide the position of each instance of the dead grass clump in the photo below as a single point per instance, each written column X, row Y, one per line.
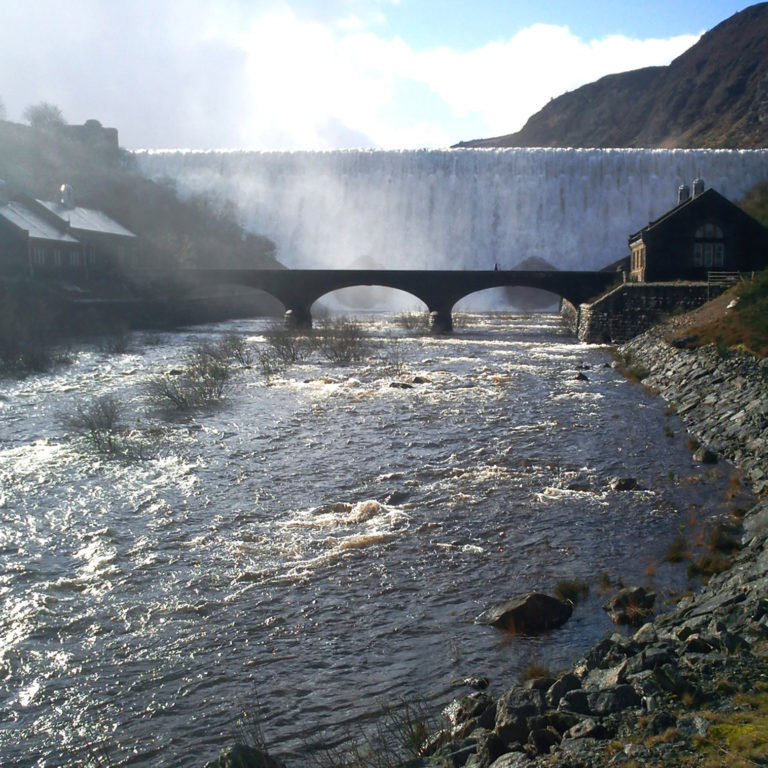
column 535, row 671
column 708, row 565
column 721, row 538
column 677, row 550
column 571, row 590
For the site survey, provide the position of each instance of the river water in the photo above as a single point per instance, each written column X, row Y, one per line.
column 318, row 545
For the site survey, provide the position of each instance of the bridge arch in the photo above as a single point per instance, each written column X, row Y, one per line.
column 515, row 298
column 372, row 297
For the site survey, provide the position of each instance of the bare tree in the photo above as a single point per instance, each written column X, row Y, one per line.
column 44, row 115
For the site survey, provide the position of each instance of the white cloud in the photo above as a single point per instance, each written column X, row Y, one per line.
column 272, row 74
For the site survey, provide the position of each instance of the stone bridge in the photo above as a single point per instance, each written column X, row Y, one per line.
column 298, row 289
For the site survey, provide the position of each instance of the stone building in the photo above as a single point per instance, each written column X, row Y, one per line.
column 703, row 233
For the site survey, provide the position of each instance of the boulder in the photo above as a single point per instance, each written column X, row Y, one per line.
column 705, row 456
column 568, row 682
column 477, row 683
column 515, row 711
column 528, row 614
column 623, row 484
column 242, row 756
column 512, row 760
column 632, row 606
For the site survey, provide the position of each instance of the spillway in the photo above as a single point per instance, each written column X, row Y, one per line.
column 452, row 209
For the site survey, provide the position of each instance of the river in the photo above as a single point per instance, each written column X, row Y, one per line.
column 318, row 545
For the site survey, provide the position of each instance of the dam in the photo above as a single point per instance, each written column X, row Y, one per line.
column 451, row 209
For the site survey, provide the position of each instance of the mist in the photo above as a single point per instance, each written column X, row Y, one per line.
column 454, row 209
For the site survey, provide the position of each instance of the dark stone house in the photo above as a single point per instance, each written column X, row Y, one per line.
column 60, row 239
column 107, row 245
column 31, row 244
column 703, row 233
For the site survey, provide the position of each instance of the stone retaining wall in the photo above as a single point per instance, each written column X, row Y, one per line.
column 721, row 398
column 633, row 308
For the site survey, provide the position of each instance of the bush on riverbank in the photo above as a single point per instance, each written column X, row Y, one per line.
column 743, row 326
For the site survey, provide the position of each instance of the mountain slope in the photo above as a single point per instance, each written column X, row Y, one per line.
column 713, row 95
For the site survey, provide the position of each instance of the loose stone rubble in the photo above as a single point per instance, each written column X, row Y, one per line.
column 644, row 699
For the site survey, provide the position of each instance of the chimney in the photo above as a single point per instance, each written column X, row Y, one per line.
column 683, row 193
column 698, row 187
column 67, row 196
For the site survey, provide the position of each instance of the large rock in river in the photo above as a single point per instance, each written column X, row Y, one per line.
column 528, row 614
column 243, row 756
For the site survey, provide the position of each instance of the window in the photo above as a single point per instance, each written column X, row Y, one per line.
column 74, row 259
column 708, row 246
column 38, row 256
column 57, row 256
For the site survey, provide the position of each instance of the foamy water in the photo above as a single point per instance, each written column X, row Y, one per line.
column 321, row 543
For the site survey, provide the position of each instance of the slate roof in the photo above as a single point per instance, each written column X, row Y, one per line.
column 86, row 219
column 30, row 221
column 710, row 194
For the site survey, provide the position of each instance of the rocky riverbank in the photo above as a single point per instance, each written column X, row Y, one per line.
column 688, row 689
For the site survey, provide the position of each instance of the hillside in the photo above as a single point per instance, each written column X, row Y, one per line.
column 172, row 232
column 715, row 95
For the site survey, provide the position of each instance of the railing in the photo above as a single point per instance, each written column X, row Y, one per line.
column 727, row 278
column 724, row 280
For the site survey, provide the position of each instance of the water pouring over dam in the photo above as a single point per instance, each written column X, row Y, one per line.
column 452, row 209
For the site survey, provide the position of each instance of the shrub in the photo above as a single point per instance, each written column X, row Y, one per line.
column 413, row 321
column 288, row 346
column 534, row 671
column 270, row 363
column 100, row 422
column 28, row 330
column 117, row 342
column 720, row 538
column 342, row 342
column 236, row 348
column 204, row 381
column 708, row 565
column 393, row 358
column 637, row 372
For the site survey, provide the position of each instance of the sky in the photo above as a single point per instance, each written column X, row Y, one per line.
column 326, row 74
